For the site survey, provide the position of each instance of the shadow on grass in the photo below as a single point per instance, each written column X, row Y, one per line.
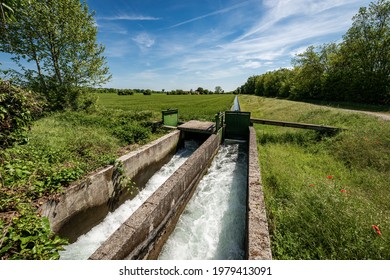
column 350, row 106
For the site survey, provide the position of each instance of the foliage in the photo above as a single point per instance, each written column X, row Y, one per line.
column 357, row 69
column 59, row 37
column 125, row 92
column 18, row 108
column 148, row 92
column 28, row 237
column 366, row 53
column 6, row 13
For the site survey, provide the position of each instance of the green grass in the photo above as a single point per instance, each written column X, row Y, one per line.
column 197, row 107
column 311, row 216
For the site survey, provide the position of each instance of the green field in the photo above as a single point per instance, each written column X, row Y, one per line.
column 197, row 107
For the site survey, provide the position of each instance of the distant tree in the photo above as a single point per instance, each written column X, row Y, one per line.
column 218, row 90
column 250, row 86
column 59, row 37
column 200, row 90
column 147, row 92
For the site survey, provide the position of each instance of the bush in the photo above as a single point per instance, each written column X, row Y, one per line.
column 148, row 92
column 18, row 108
column 125, row 92
column 132, row 133
column 86, row 102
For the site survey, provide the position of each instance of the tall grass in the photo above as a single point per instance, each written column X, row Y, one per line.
column 324, row 194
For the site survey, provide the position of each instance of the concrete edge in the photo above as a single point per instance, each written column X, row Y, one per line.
column 258, row 240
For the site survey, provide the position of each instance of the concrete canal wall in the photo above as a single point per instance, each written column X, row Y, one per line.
column 258, row 246
column 86, row 203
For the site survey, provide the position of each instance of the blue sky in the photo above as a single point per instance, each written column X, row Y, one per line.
column 185, row 44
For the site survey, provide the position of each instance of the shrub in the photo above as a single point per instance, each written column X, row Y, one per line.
column 28, row 237
column 148, row 92
column 18, row 108
column 125, row 92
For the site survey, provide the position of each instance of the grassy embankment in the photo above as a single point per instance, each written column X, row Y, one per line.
column 324, row 194
column 65, row 146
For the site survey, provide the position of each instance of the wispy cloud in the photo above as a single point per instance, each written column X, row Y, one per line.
column 144, row 40
column 218, row 12
column 278, row 10
column 129, row 18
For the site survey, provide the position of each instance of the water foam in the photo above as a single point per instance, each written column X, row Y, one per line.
column 88, row 243
column 213, row 224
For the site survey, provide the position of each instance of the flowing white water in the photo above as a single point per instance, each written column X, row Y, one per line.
column 88, row 243
column 213, row 224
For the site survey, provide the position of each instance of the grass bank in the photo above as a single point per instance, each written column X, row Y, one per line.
column 326, row 197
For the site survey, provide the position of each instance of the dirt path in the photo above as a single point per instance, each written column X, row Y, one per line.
column 384, row 116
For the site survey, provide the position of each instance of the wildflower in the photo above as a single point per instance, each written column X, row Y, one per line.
column 343, row 190
column 311, row 185
column 376, row 228
column 329, row 177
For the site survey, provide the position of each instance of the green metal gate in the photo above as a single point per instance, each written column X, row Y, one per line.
column 170, row 117
column 237, row 124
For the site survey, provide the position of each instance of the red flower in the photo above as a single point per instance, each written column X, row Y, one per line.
column 343, row 190
column 311, row 185
column 376, row 228
column 329, row 177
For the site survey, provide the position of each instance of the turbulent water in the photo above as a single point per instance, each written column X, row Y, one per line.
column 213, row 224
column 88, row 243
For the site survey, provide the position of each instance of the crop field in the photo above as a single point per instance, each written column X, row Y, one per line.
column 199, row 107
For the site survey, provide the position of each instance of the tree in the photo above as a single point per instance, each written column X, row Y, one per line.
column 218, row 90
column 59, row 38
column 366, row 51
column 309, row 70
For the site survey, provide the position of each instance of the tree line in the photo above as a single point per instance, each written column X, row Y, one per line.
column 354, row 70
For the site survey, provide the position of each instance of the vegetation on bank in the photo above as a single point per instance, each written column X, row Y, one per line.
column 354, row 70
column 326, row 197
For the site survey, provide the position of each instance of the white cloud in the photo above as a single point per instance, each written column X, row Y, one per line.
column 144, row 40
column 251, row 64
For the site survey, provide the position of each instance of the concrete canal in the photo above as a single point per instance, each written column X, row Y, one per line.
column 200, row 201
